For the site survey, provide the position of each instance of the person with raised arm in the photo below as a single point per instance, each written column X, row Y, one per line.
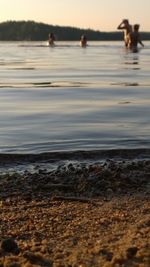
column 125, row 25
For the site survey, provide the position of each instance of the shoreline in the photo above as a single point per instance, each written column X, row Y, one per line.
column 77, row 154
column 83, row 214
column 11, row 163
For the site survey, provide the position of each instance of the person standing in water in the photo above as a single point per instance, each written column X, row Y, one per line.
column 83, row 40
column 125, row 25
column 51, row 39
column 134, row 38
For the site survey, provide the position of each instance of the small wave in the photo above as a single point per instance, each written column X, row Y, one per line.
column 124, row 102
column 73, row 45
column 76, row 155
column 33, row 45
column 21, row 68
column 128, row 84
column 45, row 84
column 44, row 162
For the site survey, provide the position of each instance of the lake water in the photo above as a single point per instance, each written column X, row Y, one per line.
column 72, row 98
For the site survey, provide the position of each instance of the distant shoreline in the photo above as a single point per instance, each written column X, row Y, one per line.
column 33, row 31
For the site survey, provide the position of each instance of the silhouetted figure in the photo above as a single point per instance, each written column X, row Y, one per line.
column 51, row 39
column 134, row 38
column 83, row 41
column 124, row 25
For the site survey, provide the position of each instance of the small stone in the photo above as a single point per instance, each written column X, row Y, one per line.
column 106, row 254
column 10, row 246
column 131, row 252
column 37, row 259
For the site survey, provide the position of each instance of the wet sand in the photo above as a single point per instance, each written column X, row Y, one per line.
column 77, row 215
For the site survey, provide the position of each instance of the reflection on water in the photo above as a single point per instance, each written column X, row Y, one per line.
column 68, row 98
column 132, row 59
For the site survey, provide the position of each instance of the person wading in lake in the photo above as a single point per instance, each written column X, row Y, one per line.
column 134, row 38
column 124, row 25
column 83, row 40
column 51, row 39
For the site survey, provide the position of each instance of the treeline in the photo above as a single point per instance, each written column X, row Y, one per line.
column 33, row 31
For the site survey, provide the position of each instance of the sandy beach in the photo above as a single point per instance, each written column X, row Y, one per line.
column 77, row 216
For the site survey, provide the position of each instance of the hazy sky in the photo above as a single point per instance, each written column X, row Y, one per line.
column 104, row 15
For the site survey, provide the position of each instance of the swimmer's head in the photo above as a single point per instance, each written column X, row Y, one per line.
column 125, row 21
column 136, row 27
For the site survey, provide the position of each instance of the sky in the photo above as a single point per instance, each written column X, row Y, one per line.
column 103, row 15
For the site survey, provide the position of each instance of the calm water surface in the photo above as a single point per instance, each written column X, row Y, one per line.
column 71, row 98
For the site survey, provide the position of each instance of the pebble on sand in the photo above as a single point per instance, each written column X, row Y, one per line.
column 9, row 245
